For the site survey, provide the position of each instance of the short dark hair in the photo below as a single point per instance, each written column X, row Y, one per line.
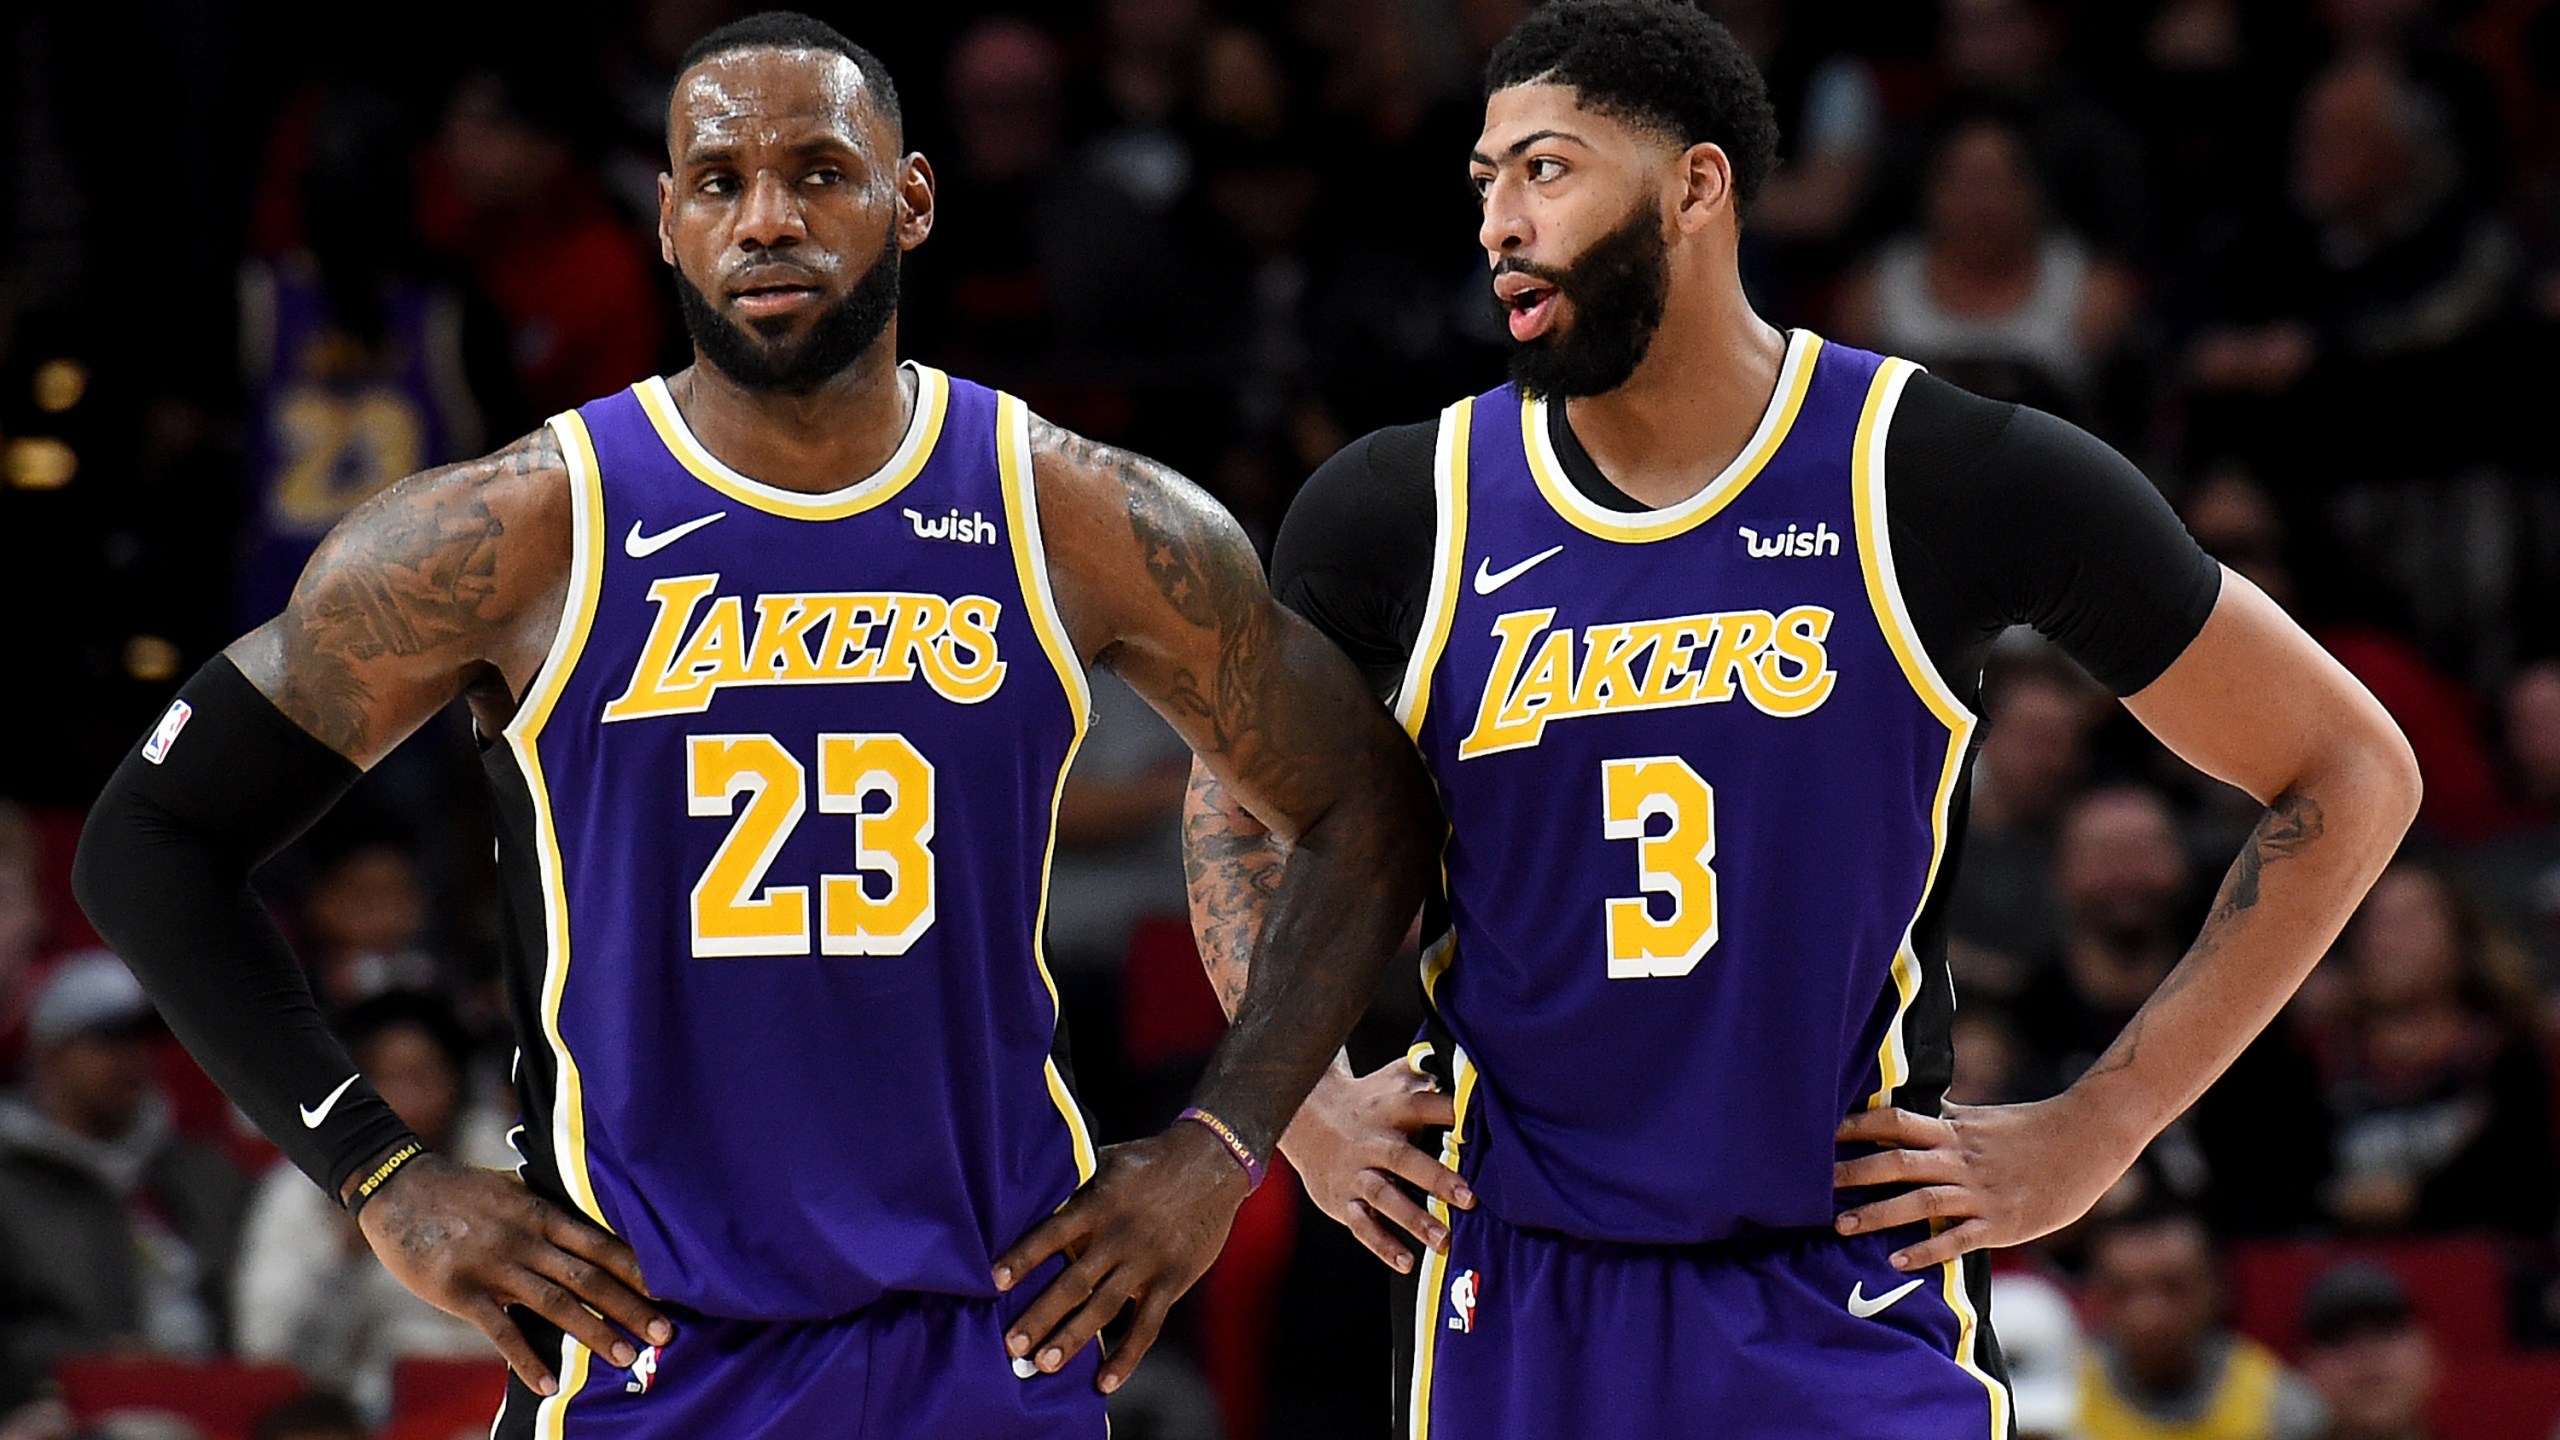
column 1658, row 63
column 791, row 30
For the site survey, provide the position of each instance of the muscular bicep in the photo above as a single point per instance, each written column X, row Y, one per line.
column 425, row 587
column 2256, row 703
column 1160, row 584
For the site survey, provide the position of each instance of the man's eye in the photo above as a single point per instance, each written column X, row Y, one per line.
column 1481, row 184
column 719, row 184
column 1544, row 168
column 826, row 176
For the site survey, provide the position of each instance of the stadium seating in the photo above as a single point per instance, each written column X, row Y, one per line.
column 222, row 1398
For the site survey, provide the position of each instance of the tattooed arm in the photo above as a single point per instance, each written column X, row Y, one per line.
column 448, row 583
column 1157, row 582
column 2258, row 704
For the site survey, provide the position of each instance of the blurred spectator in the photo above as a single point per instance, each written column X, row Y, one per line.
column 114, row 1234
column 1830, row 122
column 2365, row 1355
column 2125, row 888
column 2040, row 1338
column 979, row 299
column 1400, row 314
column 1987, row 1058
column 2006, row 57
column 2518, row 875
column 2035, row 752
column 316, row 1416
column 364, row 917
column 1118, row 862
column 2439, row 1091
column 22, row 926
column 2238, row 523
column 2414, row 37
column 508, row 197
column 1989, row 293
column 2368, row 296
column 356, row 359
column 2160, row 1361
column 308, row 1291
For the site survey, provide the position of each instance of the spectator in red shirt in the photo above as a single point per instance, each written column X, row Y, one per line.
column 509, row 197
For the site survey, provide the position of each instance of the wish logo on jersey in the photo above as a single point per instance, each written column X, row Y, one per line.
column 1540, row 675
column 807, row 639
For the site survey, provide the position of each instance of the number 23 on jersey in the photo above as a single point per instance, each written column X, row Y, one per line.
column 734, row 912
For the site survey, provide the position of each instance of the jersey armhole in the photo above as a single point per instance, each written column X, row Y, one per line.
column 1448, row 564
column 586, row 579
column 1875, row 549
column 1031, row 554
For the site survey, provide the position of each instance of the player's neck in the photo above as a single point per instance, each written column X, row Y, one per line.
column 1690, row 407
column 824, row 440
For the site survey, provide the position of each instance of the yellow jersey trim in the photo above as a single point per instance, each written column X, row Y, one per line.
column 1969, row 1339
column 1435, row 1264
column 522, row 734
column 1448, row 564
column 1040, row 602
column 1884, row 596
column 1795, row 377
column 924, row 428
column 551, row 1417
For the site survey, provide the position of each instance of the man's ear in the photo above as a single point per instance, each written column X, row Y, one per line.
column 1706, row 175
column 915, row 200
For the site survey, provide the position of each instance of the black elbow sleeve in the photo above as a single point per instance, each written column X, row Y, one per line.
column 223, row 782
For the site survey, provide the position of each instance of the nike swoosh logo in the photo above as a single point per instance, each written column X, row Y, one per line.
column 1489, row 580
column 1862, row 1307
column 311, row 1118
column 641, row 547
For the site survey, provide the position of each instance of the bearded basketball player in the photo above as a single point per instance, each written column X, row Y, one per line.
column 776, row 765
column 1688, row 621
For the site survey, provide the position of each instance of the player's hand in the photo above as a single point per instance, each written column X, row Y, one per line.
column 1144, row 1229
column 1353, row 1140
column 472, row 1242
column 1993, row 1174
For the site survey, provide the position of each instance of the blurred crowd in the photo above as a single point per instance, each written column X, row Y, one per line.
column 2300, row 259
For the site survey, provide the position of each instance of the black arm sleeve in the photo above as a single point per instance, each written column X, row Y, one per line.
column 2001, row 515
column 163, row 871
column 1354, row 554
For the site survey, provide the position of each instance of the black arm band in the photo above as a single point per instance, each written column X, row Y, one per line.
column 223, row 783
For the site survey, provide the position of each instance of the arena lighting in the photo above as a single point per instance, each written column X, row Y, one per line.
column 39, row 463
column 151, row 659
column 60, row 384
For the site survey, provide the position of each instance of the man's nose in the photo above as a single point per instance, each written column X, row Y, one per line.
column 770, row 216
column 1505, row 229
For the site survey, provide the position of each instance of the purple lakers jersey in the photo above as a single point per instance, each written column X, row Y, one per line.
column 776, row 821
column 1697, row 769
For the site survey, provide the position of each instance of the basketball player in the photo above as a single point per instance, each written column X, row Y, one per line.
column 779, row 663
column 1689, row 623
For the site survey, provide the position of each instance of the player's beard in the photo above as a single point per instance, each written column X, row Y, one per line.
column 838, row 337
column 1618, row 286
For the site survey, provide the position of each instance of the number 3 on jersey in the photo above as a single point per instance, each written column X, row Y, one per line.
column 736, row 913
column 1673, row 864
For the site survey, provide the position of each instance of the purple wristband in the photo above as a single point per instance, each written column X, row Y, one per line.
column 1254, row 1169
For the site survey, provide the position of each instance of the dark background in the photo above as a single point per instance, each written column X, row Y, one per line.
column 2300, row 259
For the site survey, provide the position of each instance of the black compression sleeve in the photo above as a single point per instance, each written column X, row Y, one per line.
column 1354, row 555
column 2004, row 515
column 163, row 871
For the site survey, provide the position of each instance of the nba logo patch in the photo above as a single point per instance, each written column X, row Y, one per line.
column 1462, row 1299
column 156, row 748
column 644, row 1372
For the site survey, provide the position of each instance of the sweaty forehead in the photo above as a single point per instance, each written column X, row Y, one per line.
column 774, row 97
